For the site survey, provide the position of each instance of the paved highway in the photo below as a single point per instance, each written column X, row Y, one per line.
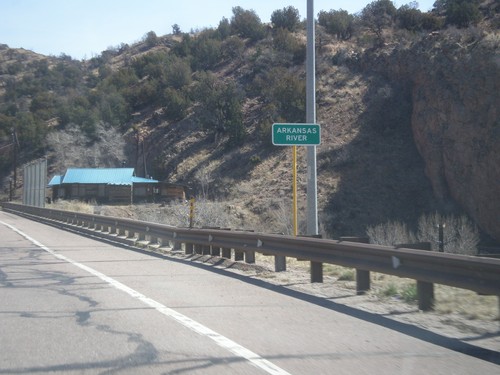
column 72, row 305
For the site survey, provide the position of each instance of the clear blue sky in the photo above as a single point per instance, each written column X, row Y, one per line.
column 84, row 28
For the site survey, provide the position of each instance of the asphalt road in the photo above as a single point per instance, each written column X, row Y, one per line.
column 73, row 305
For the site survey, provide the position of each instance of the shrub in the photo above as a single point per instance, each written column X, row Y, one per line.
column 151, row 39
column 224, row 29
column 378, row 15
column 390, row 290
column 176, row 104
column 206, row 52
column 286, row 42
column 462, row 13
column 391, row 233
column 337, row 22
column 178, row 73
column 287, row 18
column 460, row 235
column 206, row 213
column 286, row 91
column 409, row 293
column 233, row 48
column 220, row 107
column 176, row 29
column 247, row 24
column 409, row 18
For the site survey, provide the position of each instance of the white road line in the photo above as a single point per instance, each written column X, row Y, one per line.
column 194, row 326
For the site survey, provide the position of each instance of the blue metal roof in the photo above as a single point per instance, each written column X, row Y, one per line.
column 56, row 180
column 110, row 176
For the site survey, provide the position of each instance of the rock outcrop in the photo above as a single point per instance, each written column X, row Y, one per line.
column 455, row 80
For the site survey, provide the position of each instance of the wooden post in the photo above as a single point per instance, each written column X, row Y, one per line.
column 238, row 255
column 425, row 290
column 279, row 263
column 249, row 256
column 362, row 276
column 188, row 248
column 425, row 295
column 316, row 267
column 316, row 272
column 226, row 252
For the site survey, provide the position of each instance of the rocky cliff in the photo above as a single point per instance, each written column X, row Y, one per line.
column 455, row 83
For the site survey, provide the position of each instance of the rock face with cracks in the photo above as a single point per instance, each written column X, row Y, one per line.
column 455, row 84
column 456, row 128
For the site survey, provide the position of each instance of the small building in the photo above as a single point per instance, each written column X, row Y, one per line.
column 171, row 192
column 104, row 185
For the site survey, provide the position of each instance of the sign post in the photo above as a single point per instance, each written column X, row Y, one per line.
column 296, row 135
column 312, row 186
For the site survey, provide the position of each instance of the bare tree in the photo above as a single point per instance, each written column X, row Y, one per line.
column 460, row 235
column 72, row 148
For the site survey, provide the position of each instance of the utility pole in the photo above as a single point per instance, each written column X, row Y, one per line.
column 312, row 198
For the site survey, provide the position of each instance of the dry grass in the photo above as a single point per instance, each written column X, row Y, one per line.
column 448, row 300
column 75, row 206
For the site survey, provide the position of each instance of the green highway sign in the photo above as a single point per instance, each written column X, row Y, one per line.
column 296, row 134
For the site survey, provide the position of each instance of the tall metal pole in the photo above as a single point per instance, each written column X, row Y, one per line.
column 294, row 190
column 312, row 199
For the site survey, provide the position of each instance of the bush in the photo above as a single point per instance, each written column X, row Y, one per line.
column 233, row 48
column 206, row 53
column 224, row 29
column 462, row 13
column 337, row 22
column 285, row 41
column 409, row 18
column 285, row 91
column 176, row 104
column 178, row 73
column 287, row 18
column 220, row 107
column 390, row 234
column 460, row 235
column 431, row 22
column 151, row 39
column 247, row 24
column 378, row 15
column 206, row 214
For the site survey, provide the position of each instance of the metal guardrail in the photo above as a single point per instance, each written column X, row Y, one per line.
column 481, row 275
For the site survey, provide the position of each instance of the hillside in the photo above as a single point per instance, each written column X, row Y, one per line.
column 409, row 118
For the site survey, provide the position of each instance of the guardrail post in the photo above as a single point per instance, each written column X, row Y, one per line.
column 316, row 272
column 177, row 245
column 197, row 249
column 362, row 276
column 130, row 237
column 120, row 232
column 226, row 252
column 249, row 256
column 239, row 255
column 425, row 290
column 279, row 263
column 362, row 281
column 216, row 251
column 425, row 295
column 205, row 249
column 316, row 267
column 153, row 241
column 188, row 248
column 141, row 236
